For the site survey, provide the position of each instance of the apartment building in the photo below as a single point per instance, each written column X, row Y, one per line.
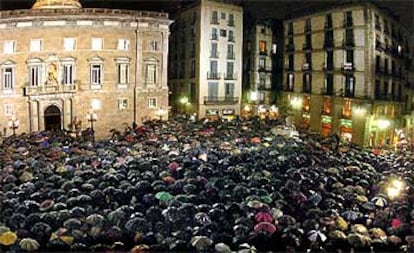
column 259, row 58
column 61, row 63
column 345, row 72
column 205, row 61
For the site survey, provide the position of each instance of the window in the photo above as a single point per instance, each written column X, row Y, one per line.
column 348, row 19
column 308, row 44
column 151, row 74
column 230, row 70
column 349, row 56
column 214, row 53
column 214, row 35
column 213, row 69
column 290, row 28
column 349, row 86
column 35, row 70
column 308, row 58
column 223, row 33
column 229, row 90
column 152, row 102
column 262, row 63
column 231, row 36
column 291, row 62
column 223, row 15
column 68, row 71
column 122, row 104
column 193, row 67
column 97, row 43
column 327, row 105
column 96, row 74
column 8, row 109
column 230, row 51
column 262, row 81
column 123, row 73
column 262, row 46
column 123, row 45
column 290, row 81
column 231, row 20
column 308, row 27
column 214, row 17
column 212, row 90
column 328, row 20
column 329, row 84
column 329, row 60
column 7, row 77
column 274, row 48
column 307, row 83
column 69, row 44
column 154, row 45
column 9, row 47
column 347, row 108
column 35, row 45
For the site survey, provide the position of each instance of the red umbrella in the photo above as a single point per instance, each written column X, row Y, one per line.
column 263, row 217
column 265, row 226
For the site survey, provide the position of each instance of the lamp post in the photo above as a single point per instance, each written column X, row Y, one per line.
column 13, row 124
column 160, row 112
column 184, row 102
column 91, row 116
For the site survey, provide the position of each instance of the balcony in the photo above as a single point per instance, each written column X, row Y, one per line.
column 263, row 52
column 220, row 100
column 348, row 67
column 230, row 76
column 49, row 89
column 213, row 75
column 306, row 67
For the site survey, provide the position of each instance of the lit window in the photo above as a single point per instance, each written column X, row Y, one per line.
column 262, row 46
column 123, row 44
column 122, row 104
column 69, row 44
column 97, row 43
column 9, row 47
column 152, row 102
column 347, row 108
column 35, row 45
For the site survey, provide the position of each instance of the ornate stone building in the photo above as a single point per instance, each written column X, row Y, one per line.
column 60, row 62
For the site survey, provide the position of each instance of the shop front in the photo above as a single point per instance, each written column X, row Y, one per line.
column 345, row 129
column 326, row 125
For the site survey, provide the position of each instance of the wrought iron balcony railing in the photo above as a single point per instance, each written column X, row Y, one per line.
column 213, row 100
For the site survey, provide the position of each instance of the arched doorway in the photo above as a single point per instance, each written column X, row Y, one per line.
column 52, row 118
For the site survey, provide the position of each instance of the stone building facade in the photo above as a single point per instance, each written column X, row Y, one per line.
column 345, row 72
column 205, row 66
column 61, row 63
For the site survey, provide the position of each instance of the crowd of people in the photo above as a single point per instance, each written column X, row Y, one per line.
column 178, row 185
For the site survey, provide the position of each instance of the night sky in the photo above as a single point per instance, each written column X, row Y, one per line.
column 403, row 9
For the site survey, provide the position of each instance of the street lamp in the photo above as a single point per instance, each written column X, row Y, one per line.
column 160, row 112
column 91, row 116
column 13, row 124
column 184, row 101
